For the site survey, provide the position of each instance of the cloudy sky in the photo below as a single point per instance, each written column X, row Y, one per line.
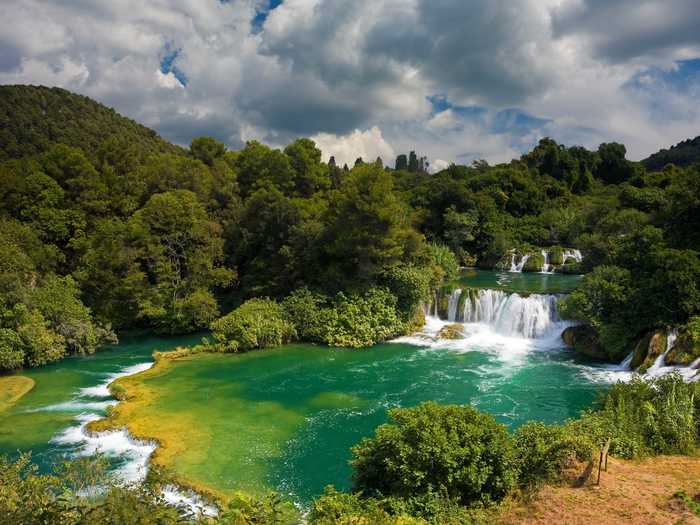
column 456, row 80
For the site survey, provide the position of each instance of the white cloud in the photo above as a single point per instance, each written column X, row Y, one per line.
column 368, row 144
column 168, row 80
column 356, row 74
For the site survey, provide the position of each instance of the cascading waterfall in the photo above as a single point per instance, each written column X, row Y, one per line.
column 545, row 265
column 660, row 367
column 517, row 267
column 506, row 313
column 572, row 254
column 453, row 303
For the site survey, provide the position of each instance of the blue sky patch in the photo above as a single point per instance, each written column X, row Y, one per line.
column 167, row 64
column 261, row 14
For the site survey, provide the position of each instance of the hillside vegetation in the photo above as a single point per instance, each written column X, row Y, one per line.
column 683, row 154
column 34, row 118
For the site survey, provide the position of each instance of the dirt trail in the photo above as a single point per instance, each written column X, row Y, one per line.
column 630, row 492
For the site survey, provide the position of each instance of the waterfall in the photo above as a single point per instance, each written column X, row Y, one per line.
column 452, row 305
column 518, row 267
column 572, row 254
column 545, row 265
column 506, row 313
column 660, row 363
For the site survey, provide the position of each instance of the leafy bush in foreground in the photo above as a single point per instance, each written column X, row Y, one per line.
column 452, row 450
column 257, row 323
column 647, row 417
column 543, row 451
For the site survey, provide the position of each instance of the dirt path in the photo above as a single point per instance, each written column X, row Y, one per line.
column 630, row 492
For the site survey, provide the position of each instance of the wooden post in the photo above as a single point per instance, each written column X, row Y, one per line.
column 603, row 459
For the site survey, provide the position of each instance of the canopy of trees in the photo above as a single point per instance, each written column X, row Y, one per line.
column 107, row 227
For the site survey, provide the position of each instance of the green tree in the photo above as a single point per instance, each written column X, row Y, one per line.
column 181, row 252
column 368, row 229
column 207, row 149
column 445, row 449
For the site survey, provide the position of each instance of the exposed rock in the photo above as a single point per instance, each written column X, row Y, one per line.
column 647, row 349
column 451, row 331
column 584, row 339
column 685, row 350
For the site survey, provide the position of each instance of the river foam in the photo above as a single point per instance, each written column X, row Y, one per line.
column 132, row 455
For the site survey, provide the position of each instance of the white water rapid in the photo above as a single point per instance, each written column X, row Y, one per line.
column 132, row 454
column 517, row 267
column 509, row 314
column 660, row 367
column 545, row 265
column 572, row 254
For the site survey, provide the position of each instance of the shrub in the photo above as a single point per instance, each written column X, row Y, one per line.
column 643, row 417
column 445, row 262
column 362, row 320
column 304, row 309
column 257, row 323
column 339, row 508
column 543, row 451
column 11, row 355
column 268, row 510
column 452, row 450
column 410, row 284
column 347, row 321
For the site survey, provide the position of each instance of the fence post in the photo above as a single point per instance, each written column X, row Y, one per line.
column 603, row 459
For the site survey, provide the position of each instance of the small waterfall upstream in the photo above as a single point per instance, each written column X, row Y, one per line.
column 517, row 267
column 510, row 314
column 545, row 265
column 572, row 254
column 660, row 367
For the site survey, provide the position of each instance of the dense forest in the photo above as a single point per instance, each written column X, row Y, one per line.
column 105, row 227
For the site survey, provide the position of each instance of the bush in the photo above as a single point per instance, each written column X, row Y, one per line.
column 257, row 323
column 646, row 417
column 444, row 261
column 304, row 309
column 339, row 508
column 543, row 451
column 11, row 355
column 346, row 321
column 362, row 320
column 452, row 450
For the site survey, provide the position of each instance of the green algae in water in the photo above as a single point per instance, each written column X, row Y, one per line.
column 285, row 419
column 55, row 401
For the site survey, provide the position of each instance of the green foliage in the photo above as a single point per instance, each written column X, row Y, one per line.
column 542, row 451
column 207, row 149
column 368, row 229
column 11, row 350
column 257, row 323
column 601, row 301
column 37, row 117
column 643, row 417
column 269, row 510
column 362, row 320
column 451, row 450
column 683, row 154
column 444, row 262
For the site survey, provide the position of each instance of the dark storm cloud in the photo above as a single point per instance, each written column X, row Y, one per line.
column 626, row 29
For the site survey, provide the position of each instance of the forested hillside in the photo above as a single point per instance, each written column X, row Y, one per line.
column 683, row 154
column 106, row 227
column 34, row 118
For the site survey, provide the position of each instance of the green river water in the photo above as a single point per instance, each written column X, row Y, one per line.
column 285, row 419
